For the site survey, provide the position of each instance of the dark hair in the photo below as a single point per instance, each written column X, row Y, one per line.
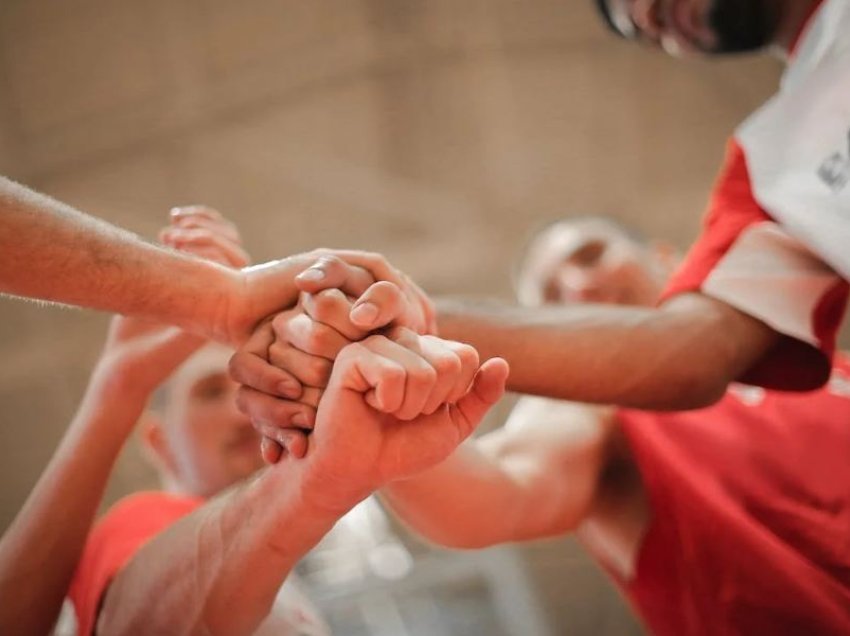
column 605, row 12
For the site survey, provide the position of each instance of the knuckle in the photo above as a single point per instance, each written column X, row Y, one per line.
column 280, row 324
column 237, row 364
column 424, row 374
column 243, row 402
column 386, row 288
column 204, row 234
column 374, row 340
column 448, row 364
column 281, row 412
column 324, row 306
column 310, row 397
column 468, row 355
column 279, row 355
column 329, row 263
column 401, row 335
column 316, row 339
column 315, row 371
column 395, row 375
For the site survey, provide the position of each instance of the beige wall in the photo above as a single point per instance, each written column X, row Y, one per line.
column 437, row 131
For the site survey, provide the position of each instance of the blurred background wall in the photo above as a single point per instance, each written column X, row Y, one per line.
column 440, row 132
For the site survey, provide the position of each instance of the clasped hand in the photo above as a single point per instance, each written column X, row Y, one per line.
column 353, row 377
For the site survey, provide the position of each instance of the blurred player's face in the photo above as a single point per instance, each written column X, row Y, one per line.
column 698, row 26
column 589, row 261
column 208, row 444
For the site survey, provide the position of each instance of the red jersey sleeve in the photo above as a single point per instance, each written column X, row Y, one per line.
column 748, row 261
column 113, row 542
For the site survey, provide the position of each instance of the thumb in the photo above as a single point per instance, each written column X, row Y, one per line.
column 330, row 272
column 383, row 303
column 488, row 386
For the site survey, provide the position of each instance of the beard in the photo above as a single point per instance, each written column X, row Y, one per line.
column 742, row 25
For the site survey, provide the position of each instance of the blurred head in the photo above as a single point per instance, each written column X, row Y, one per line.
column 199, row 440
column 592, row 260
column 698, row 26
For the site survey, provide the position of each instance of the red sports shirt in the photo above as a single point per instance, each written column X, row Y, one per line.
column 750, row 501
column 127, row 526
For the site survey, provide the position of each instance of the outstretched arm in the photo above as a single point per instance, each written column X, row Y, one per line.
column 535, row 477
column 40, row 550
column 53, row 252
column 218, row 570
column 50, row 251
column 679, row 356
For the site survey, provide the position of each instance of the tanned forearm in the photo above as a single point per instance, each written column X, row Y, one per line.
column 38, row 554
column 222, row 565
column 680, row 356
column 52, row 252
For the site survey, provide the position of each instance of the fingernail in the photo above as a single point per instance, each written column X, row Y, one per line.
column 300, row 420
column 176, row 211
column 312, row 274
column 364, row 314
column 289, row 389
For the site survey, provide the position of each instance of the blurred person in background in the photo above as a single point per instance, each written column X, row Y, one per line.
column 215, row 552
column 763, row 291
column 730, row 519
column 216, row 547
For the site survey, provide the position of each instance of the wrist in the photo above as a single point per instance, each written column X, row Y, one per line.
column 256, row 293
column 321, row 495
column 225, row 298
column 289, row 511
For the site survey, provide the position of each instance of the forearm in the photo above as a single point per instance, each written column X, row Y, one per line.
column 681, row 356
column 468, row 501
column 52, row 252
column 218, row 570
column 41, row 549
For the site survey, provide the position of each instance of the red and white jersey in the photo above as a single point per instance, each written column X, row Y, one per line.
column 776, row 240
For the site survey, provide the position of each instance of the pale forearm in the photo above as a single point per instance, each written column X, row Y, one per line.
column 40, row 550
column 52, row 252
column 468, row 501
column 682, row 356
column 222, row 565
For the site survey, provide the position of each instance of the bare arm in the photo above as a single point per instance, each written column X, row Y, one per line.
column 53, row 252
column 533, row 478
column 386, row 414
column 682, row 355
column 40, row 550
column 218, row 570
column 50, row 251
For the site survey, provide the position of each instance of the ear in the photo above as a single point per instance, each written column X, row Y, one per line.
column 155, row 445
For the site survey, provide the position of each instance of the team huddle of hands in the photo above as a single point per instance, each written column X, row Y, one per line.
column 337, row 360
